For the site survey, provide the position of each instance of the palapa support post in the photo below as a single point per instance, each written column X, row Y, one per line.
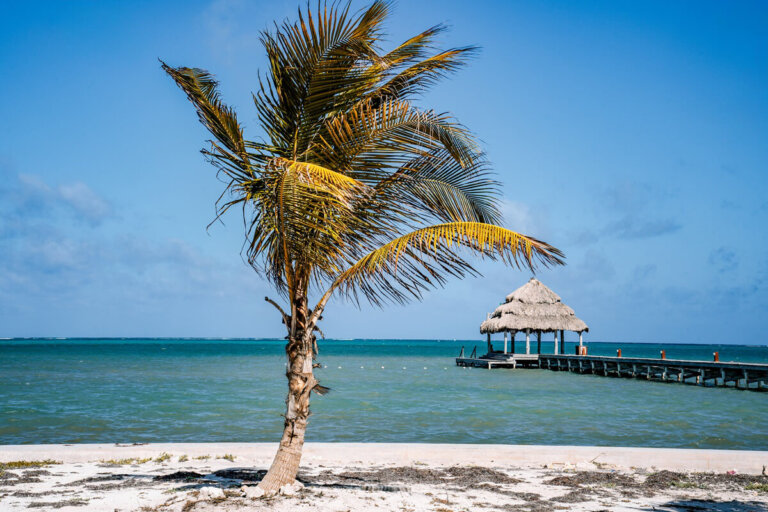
column 538, row 342
column 562, row 341
column 505, row 341
column 488, row 340
column 580, row 339
column 557, row 347
column 527, row 341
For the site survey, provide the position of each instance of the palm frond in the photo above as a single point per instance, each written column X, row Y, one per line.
column 442, row 189
column 423, row 74
column 377, row 137
column 323, row 179
column 314, row 70
column 414, row 48
column 201, row 89
column 412, row 263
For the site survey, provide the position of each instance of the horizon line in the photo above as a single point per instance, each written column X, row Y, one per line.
column 238, row 338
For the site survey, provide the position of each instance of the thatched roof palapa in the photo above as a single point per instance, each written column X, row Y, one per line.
column 533, row 306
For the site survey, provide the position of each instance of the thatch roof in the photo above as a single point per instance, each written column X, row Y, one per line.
column 533, row 306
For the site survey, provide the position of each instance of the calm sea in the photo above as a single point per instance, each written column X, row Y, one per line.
column 178, row 390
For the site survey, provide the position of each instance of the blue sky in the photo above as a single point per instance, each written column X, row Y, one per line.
column 632, row 135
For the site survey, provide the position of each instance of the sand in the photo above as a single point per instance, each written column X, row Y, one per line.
column 398, row 477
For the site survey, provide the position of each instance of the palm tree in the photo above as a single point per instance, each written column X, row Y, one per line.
column 354, row 190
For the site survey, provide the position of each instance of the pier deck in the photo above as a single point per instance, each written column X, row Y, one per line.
column 702, row 373
column 511, row 361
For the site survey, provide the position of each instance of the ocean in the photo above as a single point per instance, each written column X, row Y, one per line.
column 195, row 390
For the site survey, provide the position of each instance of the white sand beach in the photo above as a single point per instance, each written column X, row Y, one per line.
column 402, row 477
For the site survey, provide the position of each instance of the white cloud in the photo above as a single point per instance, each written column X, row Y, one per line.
column 34, row 183
column 85, row 202
column 34, row 198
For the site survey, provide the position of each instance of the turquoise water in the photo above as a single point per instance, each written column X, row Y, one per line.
column 163, row 390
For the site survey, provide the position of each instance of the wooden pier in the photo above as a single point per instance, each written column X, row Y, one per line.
column 735, row 375
column 702, row 373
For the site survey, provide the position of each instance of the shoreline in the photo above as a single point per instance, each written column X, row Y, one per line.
column 669, row 459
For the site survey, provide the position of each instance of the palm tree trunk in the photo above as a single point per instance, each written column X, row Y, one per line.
column 301, row 381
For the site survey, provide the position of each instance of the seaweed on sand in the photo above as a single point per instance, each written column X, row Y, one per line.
column 586, row 484
column 593, row 478
column 9, row 478
column 244, row 474
column 460, row 476
column 75, row 502
column 574, row 496
column 732, row 482
column 178, row 476
column 524, row 496
column 98, row 478
column 659, row 481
